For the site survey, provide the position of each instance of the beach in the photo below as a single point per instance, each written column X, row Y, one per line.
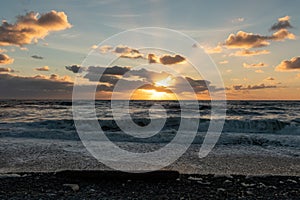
column 39, row 168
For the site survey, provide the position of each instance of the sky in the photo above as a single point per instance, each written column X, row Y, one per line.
column 46, row 47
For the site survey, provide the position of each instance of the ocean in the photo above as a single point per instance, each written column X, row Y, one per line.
column 257, row 127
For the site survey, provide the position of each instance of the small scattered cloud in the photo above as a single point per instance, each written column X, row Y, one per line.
column 238, row 20
column 255, row 65
column 224, row 62
column 251, row 87
column 270, row 79
column 259, row 71
column 282, row 34
column 283, row 23
column 246, row 52
column 289, row 65
column 104, row 49
column 73, row 68
column 45, row 69
column 37, row 57
column 214, row 50
column 5, row 59
column 31, row 27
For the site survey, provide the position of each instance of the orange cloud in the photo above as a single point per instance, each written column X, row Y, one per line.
column 270, row 79
column 259, row 71
column 249, row 40
column 217, row 49
column 246, row 52
column 32, row 27
column 45, row 68
column 5, row 59
column 256, row 65
column 289, row 65
column 282, row 35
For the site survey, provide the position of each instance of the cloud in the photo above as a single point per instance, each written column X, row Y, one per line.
column 106, row 75
column 105, row 48
column 246, row 52
column 252, row 87
column 38, row 87
column 282, row 34
column 31, row 27
column 6, row 69
column 256, row 65
column 166, row 59
column 289, row 65
column 270, row 79
column 214, row 50
column 127, row 52
column 249, row 40
column 45, row 69
column 37, row 57
column 283, row 23
column 115, row 70
column 246, row 40
column 238, row 20
column 147, row 78
column 73, row 68
column 5, row 59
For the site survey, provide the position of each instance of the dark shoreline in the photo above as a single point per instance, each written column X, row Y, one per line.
column 153, row 185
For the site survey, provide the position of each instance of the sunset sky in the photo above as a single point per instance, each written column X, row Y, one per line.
column 254, row 44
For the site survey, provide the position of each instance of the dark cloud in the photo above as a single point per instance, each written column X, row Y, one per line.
column 115, row 70
column 32, row 27
column 38, row 87
column 37, row 57
column 6, row 69
column 73, row 68
column 170, row 60
column 252, row 87
column 283, row 23
column 289, row 65
column 165, row 59
column 5, row 59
